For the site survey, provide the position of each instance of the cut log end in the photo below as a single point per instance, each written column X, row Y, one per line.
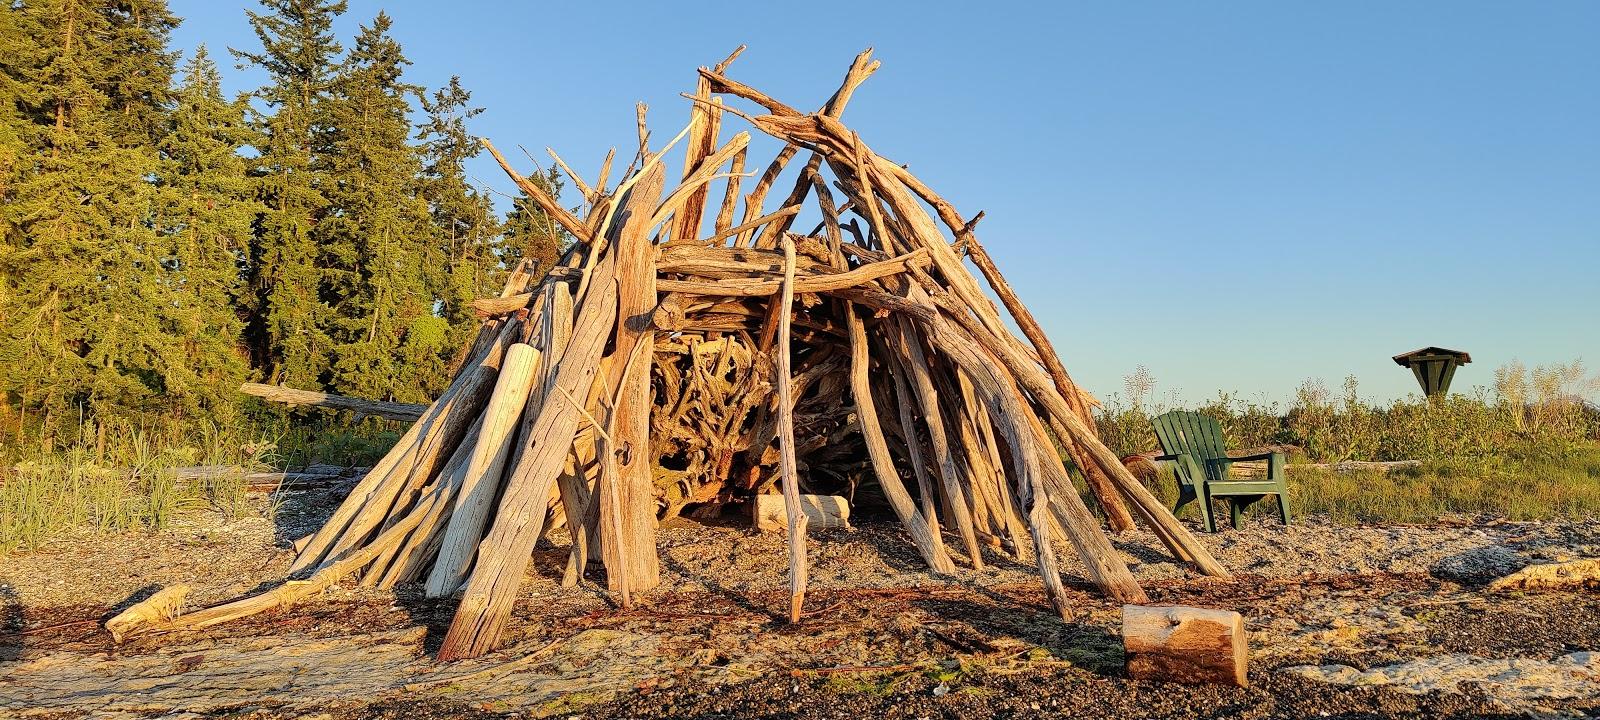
column 1185, row 645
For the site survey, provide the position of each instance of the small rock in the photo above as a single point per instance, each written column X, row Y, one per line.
column 1479, row 564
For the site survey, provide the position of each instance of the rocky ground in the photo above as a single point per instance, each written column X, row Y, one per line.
column 1344, row 622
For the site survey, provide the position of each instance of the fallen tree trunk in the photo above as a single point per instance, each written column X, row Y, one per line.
column 406, row 412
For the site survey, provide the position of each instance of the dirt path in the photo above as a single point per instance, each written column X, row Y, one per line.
column 1389, row 621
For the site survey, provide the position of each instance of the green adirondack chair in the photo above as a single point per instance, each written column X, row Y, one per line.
column 1195, row 445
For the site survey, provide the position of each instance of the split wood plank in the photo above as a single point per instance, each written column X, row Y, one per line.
column 504, row 554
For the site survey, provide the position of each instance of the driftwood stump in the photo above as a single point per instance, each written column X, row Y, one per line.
column 1185, row 644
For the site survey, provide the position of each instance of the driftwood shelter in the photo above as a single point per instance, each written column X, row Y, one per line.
column 697, row 346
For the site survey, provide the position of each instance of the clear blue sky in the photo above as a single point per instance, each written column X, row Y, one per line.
column 1238, row 196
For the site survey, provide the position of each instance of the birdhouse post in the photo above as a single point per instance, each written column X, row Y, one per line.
column 1434, row 367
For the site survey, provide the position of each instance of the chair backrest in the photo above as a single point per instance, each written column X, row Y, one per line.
column 1181, row 431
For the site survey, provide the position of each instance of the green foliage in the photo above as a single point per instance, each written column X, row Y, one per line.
column 469, row 231
column 209, row 208
column 287, row 317
column 381, row 271
column 101, row 296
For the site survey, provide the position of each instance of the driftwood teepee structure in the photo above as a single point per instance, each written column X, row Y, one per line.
column 675, row 360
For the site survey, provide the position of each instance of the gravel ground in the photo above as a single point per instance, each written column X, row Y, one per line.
column 1354, row 622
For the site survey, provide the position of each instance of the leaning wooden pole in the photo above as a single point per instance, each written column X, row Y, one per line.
column 633, row 487
column 484, row 471
column 1117, row 515
column 790, row 475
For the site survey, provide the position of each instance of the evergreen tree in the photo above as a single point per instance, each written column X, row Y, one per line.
column 466, row 225
column 286, row 315
column 19, row 137
column 20, row 59
column 210, row 205
column 531, row 233
column 88, row 282
column 381, row 272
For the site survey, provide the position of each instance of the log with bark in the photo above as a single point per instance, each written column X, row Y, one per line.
column 686, row 355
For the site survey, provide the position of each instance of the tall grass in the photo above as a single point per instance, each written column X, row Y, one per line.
column 1517, row 488
column 124, row 481
column 1512, row 487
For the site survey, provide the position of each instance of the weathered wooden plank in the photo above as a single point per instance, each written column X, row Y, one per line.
column 484, row 472
column 504, row 554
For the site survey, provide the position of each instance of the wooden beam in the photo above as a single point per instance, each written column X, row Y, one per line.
column 633, row 554
column 504, row 555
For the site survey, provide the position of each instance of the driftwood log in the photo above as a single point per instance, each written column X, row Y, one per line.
column 771, row 512
column 1185, row 645
column 688, row 353
column 375, row 408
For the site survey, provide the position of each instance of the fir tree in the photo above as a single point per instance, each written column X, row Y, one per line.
column 466, row 226
column 87, row 276
column 209, row 206
column 380, row 272
column 20, row 59
column 286, row 315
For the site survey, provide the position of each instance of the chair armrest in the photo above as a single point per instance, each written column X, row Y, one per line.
column 1160, row 458
column 1245, row 458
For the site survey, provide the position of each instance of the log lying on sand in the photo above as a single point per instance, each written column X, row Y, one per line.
column 771, row 512
column 1185, row 645
column 406, row 412
column 686, row 354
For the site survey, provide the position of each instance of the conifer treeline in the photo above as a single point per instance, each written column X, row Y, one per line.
column 160, row 242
